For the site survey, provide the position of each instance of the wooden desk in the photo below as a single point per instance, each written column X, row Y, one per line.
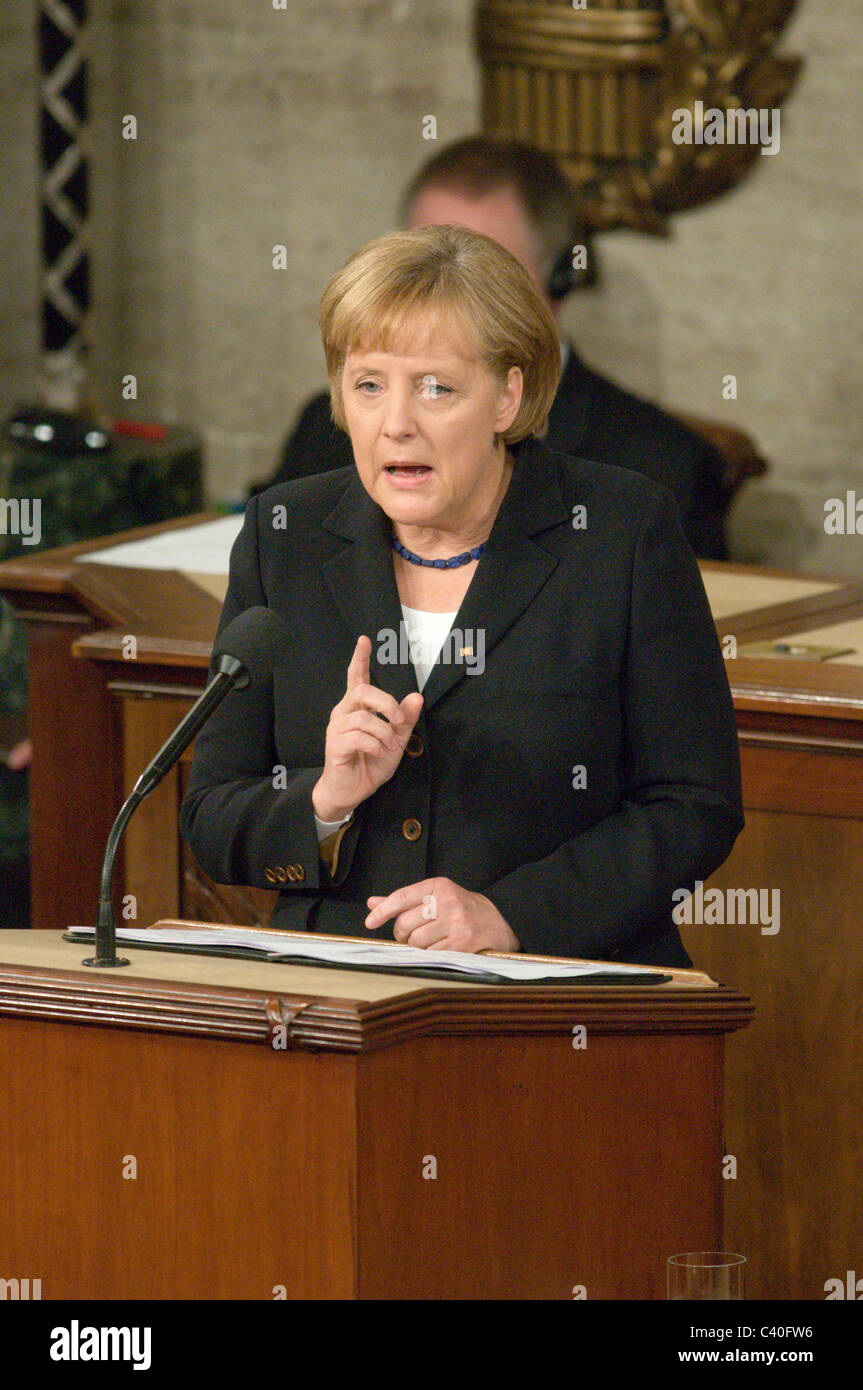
column 413, row 1140
column 795, row 1207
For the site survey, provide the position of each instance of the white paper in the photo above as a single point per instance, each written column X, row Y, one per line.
column 367, row 954
column 201, row 549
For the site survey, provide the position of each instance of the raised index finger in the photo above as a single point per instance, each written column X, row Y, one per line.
column 358, row 670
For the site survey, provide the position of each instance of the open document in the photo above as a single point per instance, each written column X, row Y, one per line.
column 350, row 953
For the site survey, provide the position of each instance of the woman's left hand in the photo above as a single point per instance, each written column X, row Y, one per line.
column 437, row 913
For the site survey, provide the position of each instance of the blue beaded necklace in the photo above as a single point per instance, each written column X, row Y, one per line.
column 450, row 564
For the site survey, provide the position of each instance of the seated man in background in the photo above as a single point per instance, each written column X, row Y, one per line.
column 518, row 196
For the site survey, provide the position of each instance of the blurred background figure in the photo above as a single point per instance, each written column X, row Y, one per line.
column 517, row 195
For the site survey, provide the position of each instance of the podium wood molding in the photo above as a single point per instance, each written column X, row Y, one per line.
column 356, row 1025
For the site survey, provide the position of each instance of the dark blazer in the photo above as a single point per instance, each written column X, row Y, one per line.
column 591, row 418
column 600, row 652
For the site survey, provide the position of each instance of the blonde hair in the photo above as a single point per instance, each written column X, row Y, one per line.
column 458, row 276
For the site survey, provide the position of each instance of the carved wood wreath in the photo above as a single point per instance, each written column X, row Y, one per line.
column 600, row 84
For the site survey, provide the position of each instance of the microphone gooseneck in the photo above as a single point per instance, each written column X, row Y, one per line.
column 244, row 654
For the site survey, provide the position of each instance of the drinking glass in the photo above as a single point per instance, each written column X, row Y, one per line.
column 706, row 1274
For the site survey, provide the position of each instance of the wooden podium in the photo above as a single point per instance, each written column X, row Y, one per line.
column 411, row 1140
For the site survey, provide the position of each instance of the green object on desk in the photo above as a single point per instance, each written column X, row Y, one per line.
column 137, row 482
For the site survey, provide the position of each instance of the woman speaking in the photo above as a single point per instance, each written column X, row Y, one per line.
column 503, row 721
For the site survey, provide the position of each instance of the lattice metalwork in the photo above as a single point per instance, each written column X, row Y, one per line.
column 64, row 191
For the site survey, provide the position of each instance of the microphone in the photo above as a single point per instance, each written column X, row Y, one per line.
column 245, row 653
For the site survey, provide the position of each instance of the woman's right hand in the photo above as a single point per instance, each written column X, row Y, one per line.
column 363, row 749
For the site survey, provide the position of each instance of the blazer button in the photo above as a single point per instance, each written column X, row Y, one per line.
column 301, row 873
column 414, row 746
column 270, row 876
column 292, row 873
column 281, row 875
column 411, row 828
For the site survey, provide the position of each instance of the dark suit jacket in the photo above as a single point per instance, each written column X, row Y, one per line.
column 591, row 418
column 600, row 651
